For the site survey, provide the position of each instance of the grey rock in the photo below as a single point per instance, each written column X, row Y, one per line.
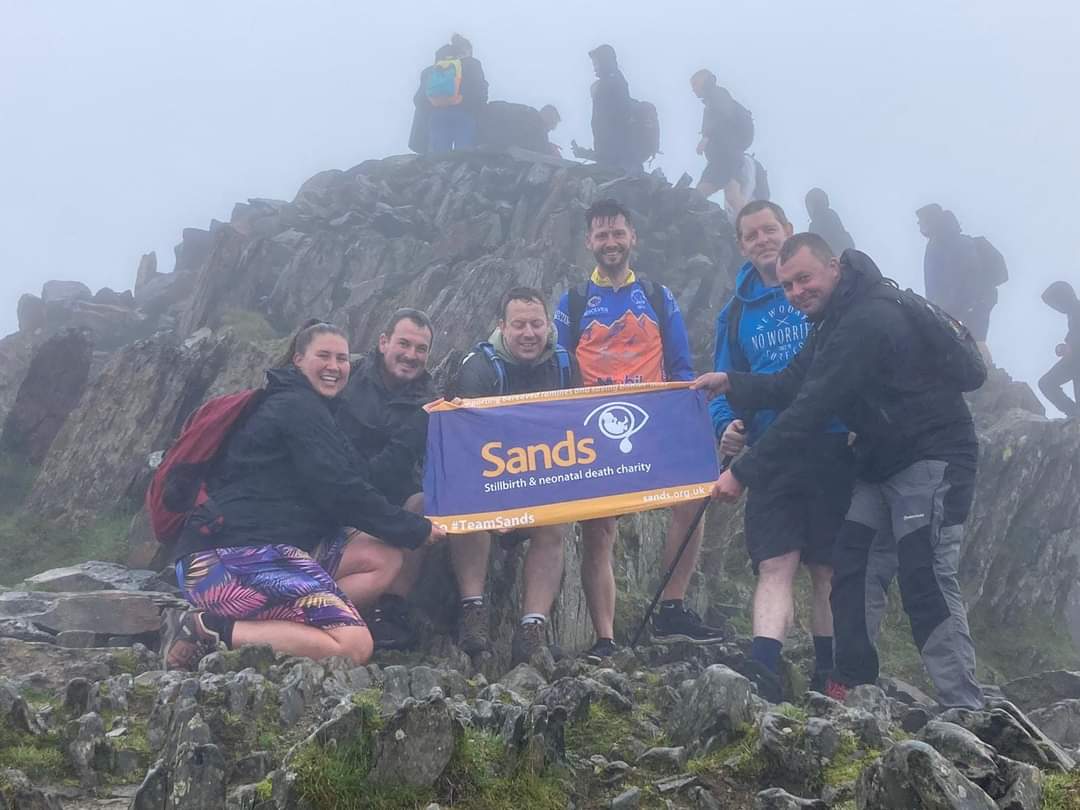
column 713, row 706
column 675, row 784
column 1042, row 689
column 80, row 639
column 573, row 696
column 62, row 291
column 422, row 680
column 905, row 692
column 115, row 613
column 88, row 751
column 779, row 799
column 415, row 745
column 30, row 312
column 664, row 759
column 627, row 800
column 23, row 630
column 253, row 767
column 198, row 778
column 20, row 794
column 972, row 757
column 913, row 775
column 91, row 576
column 1011, row 734
column 1060, row 722
column 524, row 679
column 782, row 743
column 1024, row 785
column 703, row 800
column 870, row 699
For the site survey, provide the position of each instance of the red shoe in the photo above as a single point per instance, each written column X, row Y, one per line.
column 836, row 690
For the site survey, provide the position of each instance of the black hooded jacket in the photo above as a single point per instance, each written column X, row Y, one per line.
column 387, row 426
column 289, row 476
column 865, row 363
column 611, row 116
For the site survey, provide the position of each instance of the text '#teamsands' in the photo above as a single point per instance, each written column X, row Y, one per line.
column 570, row 452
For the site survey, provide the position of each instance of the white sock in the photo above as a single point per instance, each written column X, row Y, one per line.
column 472, row 600
column 531, row 618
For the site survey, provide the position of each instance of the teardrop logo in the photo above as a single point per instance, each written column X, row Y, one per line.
column 619, row 421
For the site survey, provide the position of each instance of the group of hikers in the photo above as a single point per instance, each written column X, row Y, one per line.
column 854, row 441
column 452, row 113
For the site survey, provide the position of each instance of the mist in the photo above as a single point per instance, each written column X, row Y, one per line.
column 125, row 123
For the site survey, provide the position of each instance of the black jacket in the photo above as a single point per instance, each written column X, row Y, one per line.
column 474, row 86
column 477, row 377
column 611, row 118
column 826, row 224
column 864, row 363
column 289, row 476
column 717, row 124
column 388, row 427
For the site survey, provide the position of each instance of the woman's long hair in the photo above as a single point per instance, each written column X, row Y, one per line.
column 307, row 332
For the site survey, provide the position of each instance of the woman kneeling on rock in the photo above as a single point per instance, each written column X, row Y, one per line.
column 262, row 561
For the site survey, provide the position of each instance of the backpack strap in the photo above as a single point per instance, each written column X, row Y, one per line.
column 734, row 320
column 566, row 371
column 575, row 311
column 497, row 363
column 658, row 301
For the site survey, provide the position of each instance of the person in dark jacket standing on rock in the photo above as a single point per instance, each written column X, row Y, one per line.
column 825, row 222
column 792, row 518
column 382, row 413
column 612, row 110
column 727, row 131
column 519, row 357
column 916, row 455
column 254, row 559
column 957, row 277
column 1061, row 296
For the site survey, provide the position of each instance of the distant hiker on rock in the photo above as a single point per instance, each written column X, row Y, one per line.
column 519, row 357
column 895, row 372
column 504, row 125
column 825, row 222
column 420, row 133
column 792, row 517
column 961, row 273
column 613, row 116
column 262, row 559
column 1061, row 296
column 456, row 91
column 382, row 414
column 625, row 329
column 727, row 131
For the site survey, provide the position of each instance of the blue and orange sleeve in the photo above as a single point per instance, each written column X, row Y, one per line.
column 562, row 322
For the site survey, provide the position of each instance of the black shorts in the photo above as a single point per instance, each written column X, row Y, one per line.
column 722, row 168
column 803, row 513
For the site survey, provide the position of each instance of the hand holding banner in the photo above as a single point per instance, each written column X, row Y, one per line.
column 558, row 456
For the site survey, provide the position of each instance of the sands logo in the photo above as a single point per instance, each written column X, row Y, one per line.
column 619, row 421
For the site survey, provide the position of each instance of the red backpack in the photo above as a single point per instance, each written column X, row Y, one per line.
column 179, row 483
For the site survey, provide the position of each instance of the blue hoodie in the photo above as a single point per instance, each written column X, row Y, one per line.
column 771, row 333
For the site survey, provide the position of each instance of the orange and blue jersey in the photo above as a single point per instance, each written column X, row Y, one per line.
column 620, row 336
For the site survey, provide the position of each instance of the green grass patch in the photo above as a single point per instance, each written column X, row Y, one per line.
column 249, row 326
column 32, row 544
column 478, row 779
column 740, row 759
column 1061, row 791
column 16, row 479
column 40, row 757
column 848, row 762
column 796, row 713
column 600, row 731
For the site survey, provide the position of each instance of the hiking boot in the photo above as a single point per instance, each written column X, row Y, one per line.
column 473, row 627
column 836, row 690
column 529, row 639
column 682, row 624
column 767, row 682
column 389, row 624
column 601, row 651
column 185, row 640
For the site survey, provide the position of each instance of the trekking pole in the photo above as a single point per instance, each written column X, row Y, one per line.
column 724, row 463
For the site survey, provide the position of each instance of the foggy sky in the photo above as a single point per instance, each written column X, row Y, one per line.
column 122, row 123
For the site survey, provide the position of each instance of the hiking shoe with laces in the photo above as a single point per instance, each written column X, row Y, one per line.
column 601, row 651
column 185, row 640
column 389, row 624
column 473, row 628
column 836, row 690
column 683, row 624
column 529, row 639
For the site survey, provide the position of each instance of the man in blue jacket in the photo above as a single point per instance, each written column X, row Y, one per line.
column 795, row 517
